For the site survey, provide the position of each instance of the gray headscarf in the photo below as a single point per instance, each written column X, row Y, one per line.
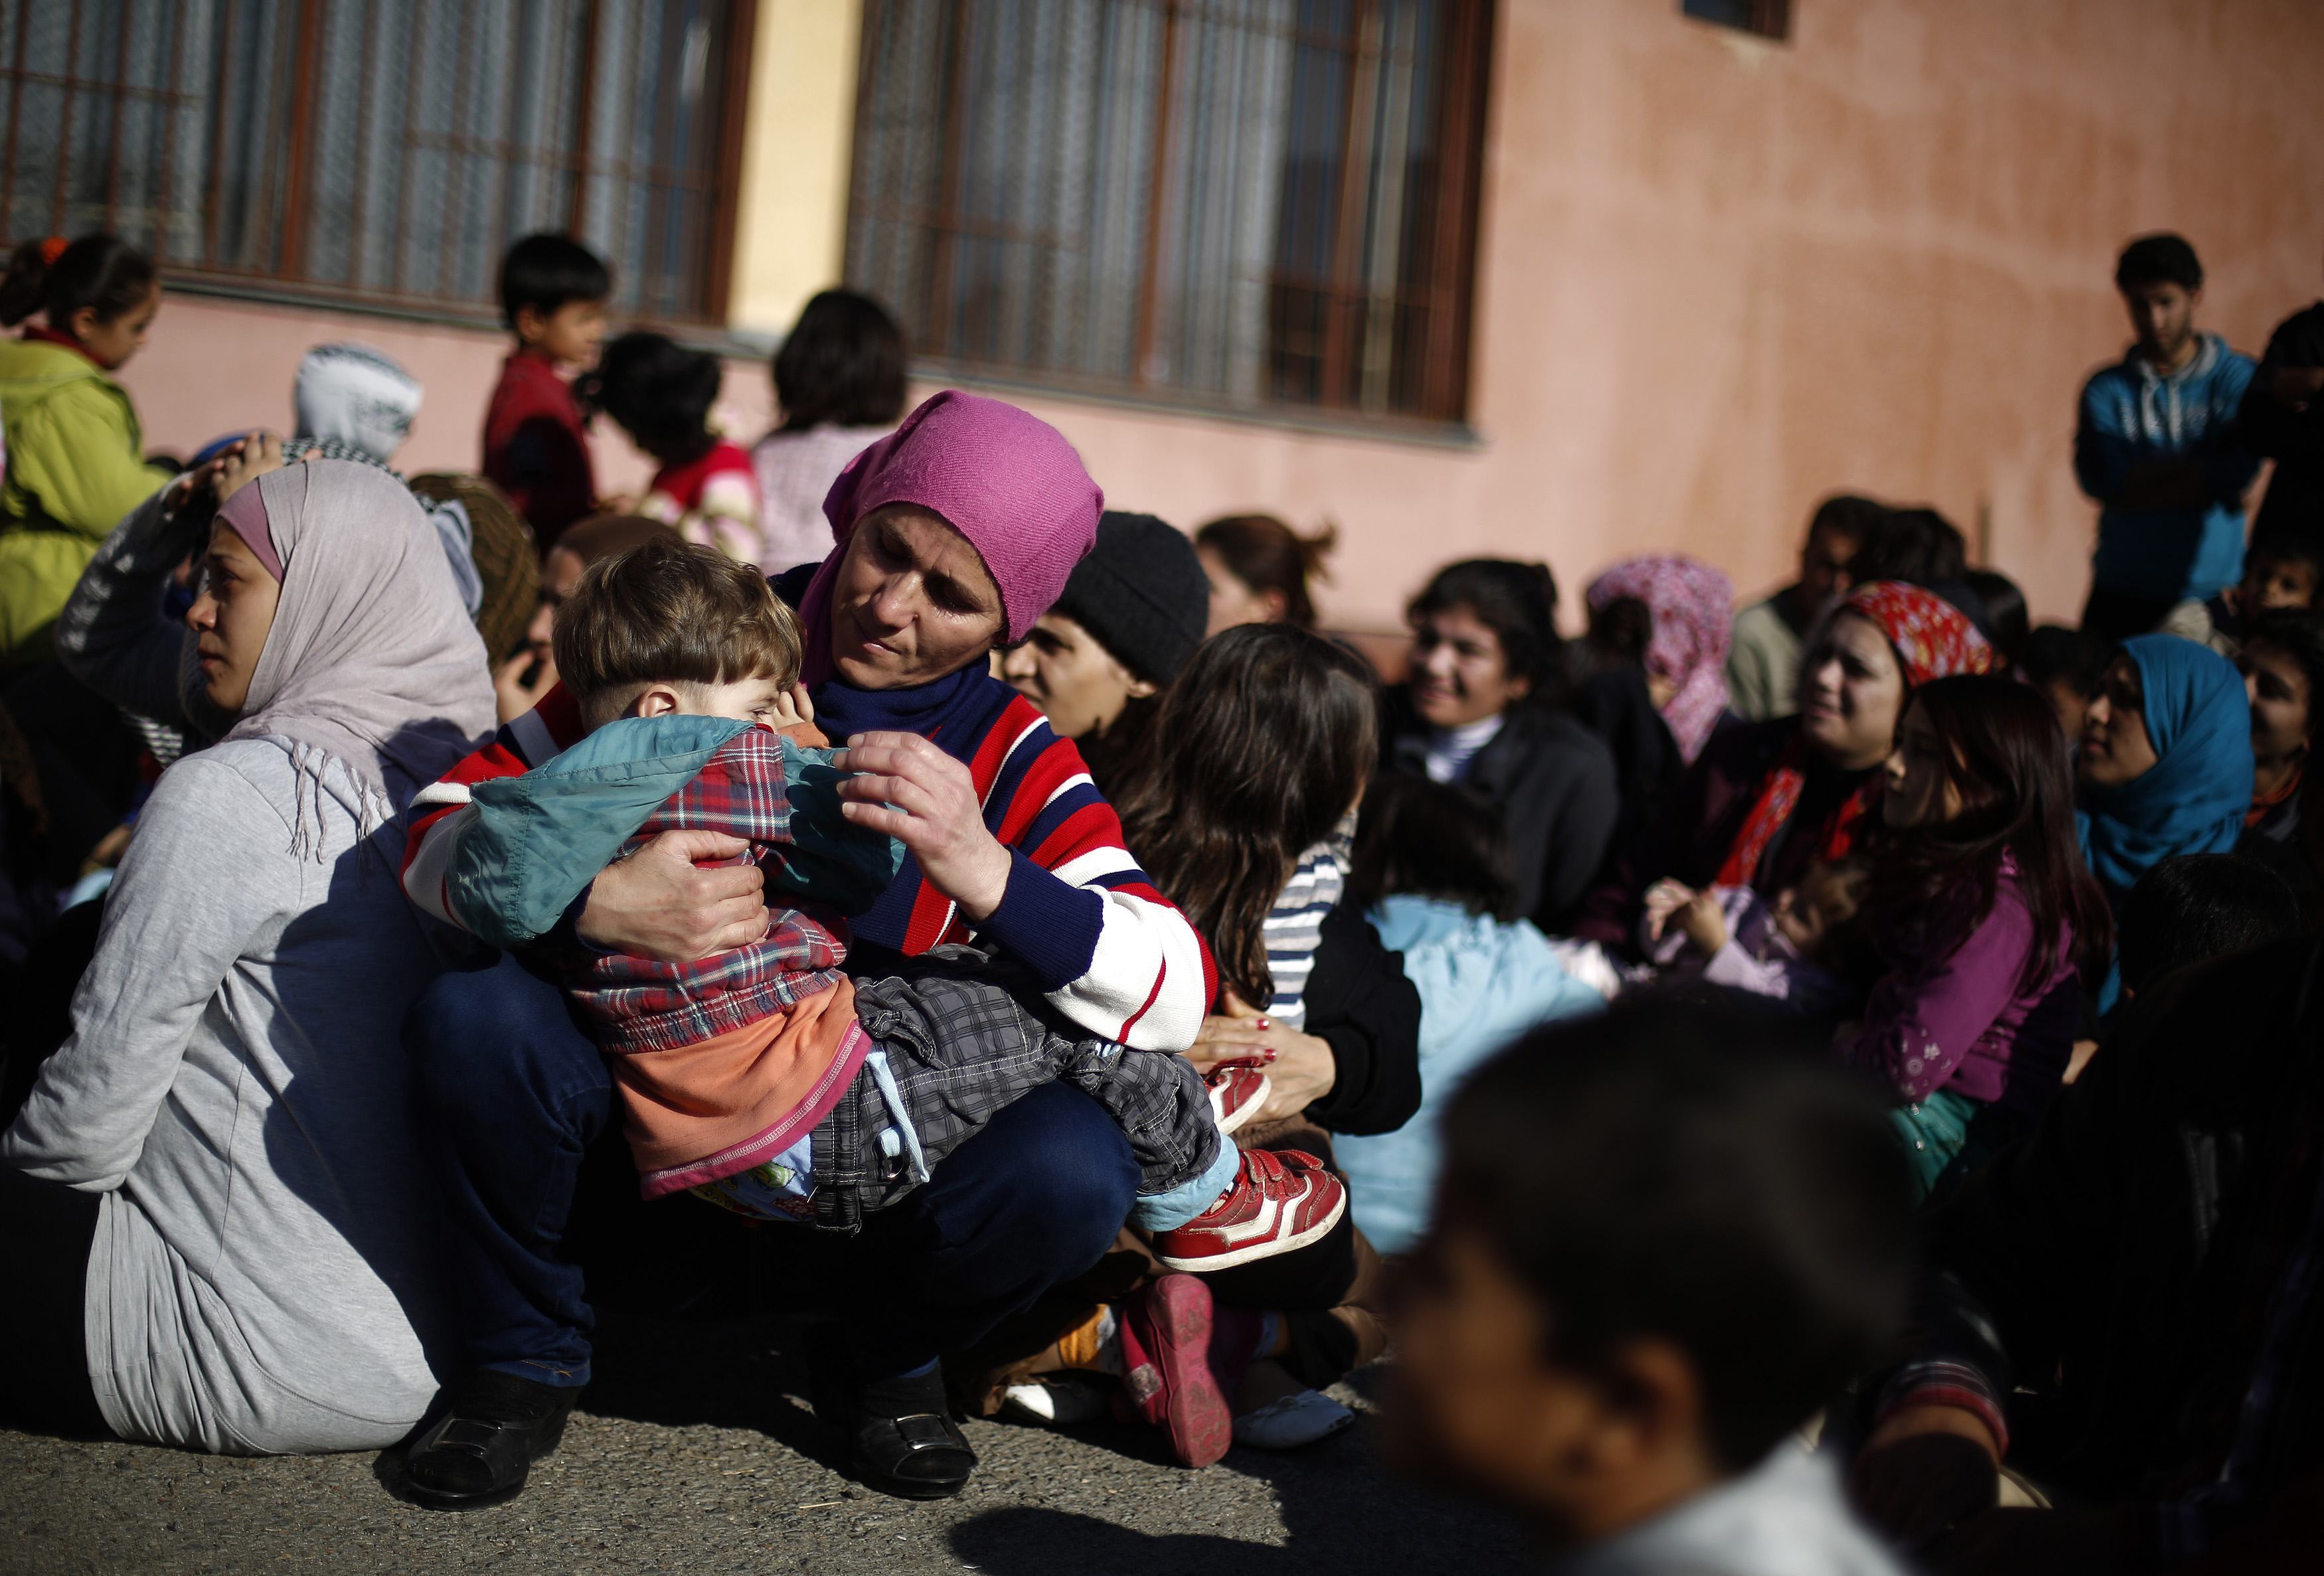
column 370, row 663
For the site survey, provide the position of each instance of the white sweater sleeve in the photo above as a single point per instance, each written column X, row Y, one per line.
column 188, row 901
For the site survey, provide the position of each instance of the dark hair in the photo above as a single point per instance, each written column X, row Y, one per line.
column 100, row 273
column 1432, row 840
column 2005, row 619
column 2006, row 759
column 2061, row 654
column 669, row 611
column 660, row 391
column 2288, row 544
column 2199, row 906
column 1917, row 546
column 1260, row 747
column 842, row 365
column 1267, row 554
column 2299, row 634
column 2159, row 259
column 546, row 271
column 1622, row 630
column 1699, row 1174
column 1111, row 756
column 1518, row 603
column 1850, row 515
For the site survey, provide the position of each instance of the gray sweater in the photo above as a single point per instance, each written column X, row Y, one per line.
column 235, row 1088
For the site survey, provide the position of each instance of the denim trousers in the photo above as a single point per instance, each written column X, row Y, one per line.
column 544, row 1217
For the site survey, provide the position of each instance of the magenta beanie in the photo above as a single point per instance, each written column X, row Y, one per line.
column 1002, row 478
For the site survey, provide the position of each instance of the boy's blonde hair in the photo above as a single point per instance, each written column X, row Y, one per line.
column 670, row 612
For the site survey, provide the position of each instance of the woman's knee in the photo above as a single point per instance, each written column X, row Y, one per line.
column 1064, row 1170
column 497, row 1042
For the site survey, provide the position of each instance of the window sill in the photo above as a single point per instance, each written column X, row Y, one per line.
column 1316, row 422
column 719, row 341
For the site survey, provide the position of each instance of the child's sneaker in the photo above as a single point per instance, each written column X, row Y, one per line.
column 1283, row 1199
column 1238, row 1088
column 1166, row 1375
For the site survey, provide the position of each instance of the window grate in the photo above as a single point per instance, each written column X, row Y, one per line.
column 1237, row 203
column 383, row 151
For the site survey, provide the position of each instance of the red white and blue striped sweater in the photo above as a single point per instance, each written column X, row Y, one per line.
column 1112, row 953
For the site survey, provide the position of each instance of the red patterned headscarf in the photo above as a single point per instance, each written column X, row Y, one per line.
column 1932, row 639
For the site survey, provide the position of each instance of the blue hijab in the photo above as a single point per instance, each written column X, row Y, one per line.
column 2193, row 799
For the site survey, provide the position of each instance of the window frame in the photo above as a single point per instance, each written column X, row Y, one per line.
column 287, row 213
column 1448, row 358
column 1769, row 19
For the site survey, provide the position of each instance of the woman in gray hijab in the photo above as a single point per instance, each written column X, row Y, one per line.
column 216, row 1179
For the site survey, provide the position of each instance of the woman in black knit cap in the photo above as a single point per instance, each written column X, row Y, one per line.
column 1098, row 661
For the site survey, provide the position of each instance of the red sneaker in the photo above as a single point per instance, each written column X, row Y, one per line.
column 1165, row 1359
column 1238, row 1088
column 1283, row 1199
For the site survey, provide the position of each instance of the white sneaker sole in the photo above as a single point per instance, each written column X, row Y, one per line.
column 1258, row 1250
column 1229, row 1121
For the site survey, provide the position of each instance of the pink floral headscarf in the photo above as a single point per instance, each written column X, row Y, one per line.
column 1692, row 605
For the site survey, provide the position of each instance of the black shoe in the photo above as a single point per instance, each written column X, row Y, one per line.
column 898, row 1435
column 479, row 1451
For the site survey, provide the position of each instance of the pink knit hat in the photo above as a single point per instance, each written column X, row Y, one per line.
column 1002, row 478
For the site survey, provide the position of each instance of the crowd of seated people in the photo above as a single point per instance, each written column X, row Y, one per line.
column 1816, row 1086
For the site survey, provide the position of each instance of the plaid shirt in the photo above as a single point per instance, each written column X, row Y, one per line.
column 638, row 1004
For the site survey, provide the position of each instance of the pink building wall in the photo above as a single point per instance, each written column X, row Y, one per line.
column 1718, row 279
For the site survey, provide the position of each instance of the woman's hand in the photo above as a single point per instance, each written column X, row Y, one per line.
column 1300, row 1068
column 512, row 695
column 655, row 904
column 925, row 799
column 1665, row 899
column 1926, row 1468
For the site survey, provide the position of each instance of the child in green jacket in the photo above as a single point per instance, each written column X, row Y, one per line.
column 75, row 461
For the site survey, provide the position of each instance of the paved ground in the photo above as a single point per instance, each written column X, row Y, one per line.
column 695, row 1459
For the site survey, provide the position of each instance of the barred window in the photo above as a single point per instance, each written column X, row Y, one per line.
column 1238, row 203
column 1767, row 18
column 381, row 151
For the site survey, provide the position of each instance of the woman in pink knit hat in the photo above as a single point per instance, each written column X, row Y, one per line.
column 951, row 535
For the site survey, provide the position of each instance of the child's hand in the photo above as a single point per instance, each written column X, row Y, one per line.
column 792, row 709
column 1665, row 899
column 1703, row 925
column 255, row 455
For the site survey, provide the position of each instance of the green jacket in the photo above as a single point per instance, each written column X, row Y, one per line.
column 75, row 466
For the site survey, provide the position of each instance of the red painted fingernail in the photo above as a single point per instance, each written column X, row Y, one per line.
column 1269, row 1051
column 1264, row 1024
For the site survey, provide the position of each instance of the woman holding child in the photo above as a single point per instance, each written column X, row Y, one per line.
column 954, row 535
column 1766, row 801
column 220, row 1175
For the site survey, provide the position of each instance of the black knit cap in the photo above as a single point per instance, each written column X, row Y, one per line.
column 1142, row 594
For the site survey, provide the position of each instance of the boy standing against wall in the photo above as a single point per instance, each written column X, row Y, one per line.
column 2156, row 447
column 553, row 293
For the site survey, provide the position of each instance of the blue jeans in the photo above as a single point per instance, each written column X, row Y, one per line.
column 538, row 1181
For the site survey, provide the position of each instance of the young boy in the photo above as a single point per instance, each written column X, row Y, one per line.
column 1664, row 1239
column 765, row 1079
column 2283, row 568
column 660, row 393
column 2156, row 447
column 2065, row 664
column 553, row 292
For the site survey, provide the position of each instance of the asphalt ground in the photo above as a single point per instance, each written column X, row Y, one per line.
column 695, row 1453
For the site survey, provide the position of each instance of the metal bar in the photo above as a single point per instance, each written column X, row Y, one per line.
column 399, row 236
column 213, row 197
column 1156, row 192
column 620, row 232
column 359, row 200
column 1384, row 265
column 654, row 253
column 937, row 314
column 1455, row 194
column 733, row 106
column 64, row 129
column 292, row 263
column 455, row 176
column 168, row 159
column 496, row 211
column 15, row 113
column 74, row 79
column 577, row 204
column 1355, row 171
column 113, row 147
